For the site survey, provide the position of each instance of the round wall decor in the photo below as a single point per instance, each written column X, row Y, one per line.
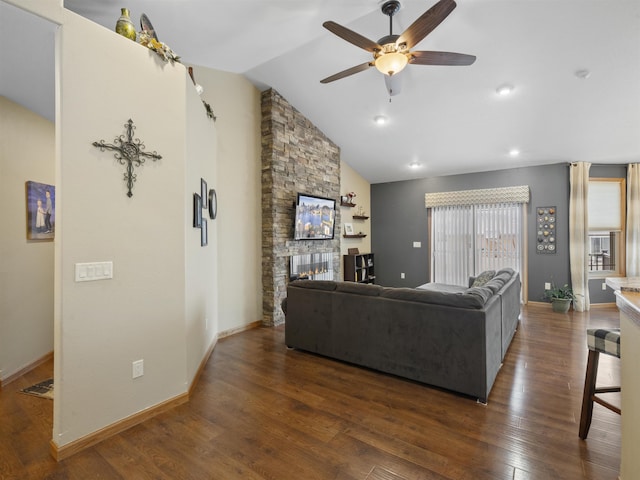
column 213, row 203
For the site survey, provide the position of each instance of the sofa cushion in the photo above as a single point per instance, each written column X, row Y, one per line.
column 482, row 293
column 359, row 288
column 315, row 284
column 497, row 282
column 442, row 287
column 510, row 271
column 483, row 278
column 458, row 299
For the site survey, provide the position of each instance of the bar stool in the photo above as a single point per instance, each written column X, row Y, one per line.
column 599, row 340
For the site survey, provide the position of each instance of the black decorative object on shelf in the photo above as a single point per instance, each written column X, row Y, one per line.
column 129, row 152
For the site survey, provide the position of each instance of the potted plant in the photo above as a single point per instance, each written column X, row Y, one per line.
column 560, row 298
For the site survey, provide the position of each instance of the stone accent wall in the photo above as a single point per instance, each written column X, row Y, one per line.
column 296, row 157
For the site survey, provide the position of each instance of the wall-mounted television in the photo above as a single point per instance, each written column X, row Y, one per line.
column 315, row 218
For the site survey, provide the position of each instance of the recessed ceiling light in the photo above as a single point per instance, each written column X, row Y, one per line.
column 504, row 90
column 582, row 74
column 415, row 165
column 380, row 119
column 514, row 152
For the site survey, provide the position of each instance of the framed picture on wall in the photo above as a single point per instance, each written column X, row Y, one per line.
column 203, row 192
column 41, row 211
column 197, row 210
column 204, row 234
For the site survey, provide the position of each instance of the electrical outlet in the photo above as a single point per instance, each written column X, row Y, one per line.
column 604, row 286
column 137, row 368
column 402, row 275
column 547, row 286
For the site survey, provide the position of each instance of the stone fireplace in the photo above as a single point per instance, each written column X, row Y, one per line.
column 296, row 157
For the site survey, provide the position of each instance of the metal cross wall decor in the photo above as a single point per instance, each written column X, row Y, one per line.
column 129, row 152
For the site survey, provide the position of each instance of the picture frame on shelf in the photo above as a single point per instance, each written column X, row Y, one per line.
column 197, row 210
column 348, row 229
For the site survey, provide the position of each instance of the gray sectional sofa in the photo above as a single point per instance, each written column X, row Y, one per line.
column 442, row 335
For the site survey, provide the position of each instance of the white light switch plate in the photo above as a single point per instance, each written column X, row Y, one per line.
column 137, row 368
column 89, row 272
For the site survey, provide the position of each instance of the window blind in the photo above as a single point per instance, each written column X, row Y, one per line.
column 605, row 205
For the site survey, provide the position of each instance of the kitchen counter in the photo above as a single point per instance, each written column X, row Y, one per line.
column 628, row 301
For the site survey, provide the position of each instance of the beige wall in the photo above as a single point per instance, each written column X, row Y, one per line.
column 27, row 152
column 236, row 103
column 351, row 181
column 142, row 313
column 166, row 303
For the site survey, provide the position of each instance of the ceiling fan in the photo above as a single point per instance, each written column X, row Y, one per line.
column 393, row 52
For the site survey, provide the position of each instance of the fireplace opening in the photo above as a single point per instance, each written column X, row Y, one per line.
column 311, row 266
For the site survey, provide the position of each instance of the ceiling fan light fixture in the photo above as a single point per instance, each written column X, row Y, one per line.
column 391, row 63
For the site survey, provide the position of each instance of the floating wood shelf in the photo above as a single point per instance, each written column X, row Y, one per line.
column 347, row 204
column 359, row 235
column 361, row 217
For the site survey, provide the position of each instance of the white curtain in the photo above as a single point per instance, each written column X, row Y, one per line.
column 468, row 239
column 579, row 233
column 499, row 240
column 451, row 242
column 633, row 220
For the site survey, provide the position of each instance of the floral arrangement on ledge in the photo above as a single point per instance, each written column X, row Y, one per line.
column 160, row 48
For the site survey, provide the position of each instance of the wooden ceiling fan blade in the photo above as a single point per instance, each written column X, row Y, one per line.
column 352, row 37
column 425, row 24
column 347, row 72
column 441, row 58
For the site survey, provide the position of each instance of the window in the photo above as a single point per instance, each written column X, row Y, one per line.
column 606, row 227
column 468, row 239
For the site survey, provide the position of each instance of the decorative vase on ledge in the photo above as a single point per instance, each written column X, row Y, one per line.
column 124, row 25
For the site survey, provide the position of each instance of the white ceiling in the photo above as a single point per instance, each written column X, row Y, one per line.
column 448, row 119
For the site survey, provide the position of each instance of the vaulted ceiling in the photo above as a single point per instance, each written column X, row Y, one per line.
column 574, row 66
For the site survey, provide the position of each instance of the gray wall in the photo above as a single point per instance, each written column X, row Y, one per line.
column 399, row 218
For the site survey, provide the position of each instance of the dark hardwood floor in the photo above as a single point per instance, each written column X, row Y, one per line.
column 261, row 411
